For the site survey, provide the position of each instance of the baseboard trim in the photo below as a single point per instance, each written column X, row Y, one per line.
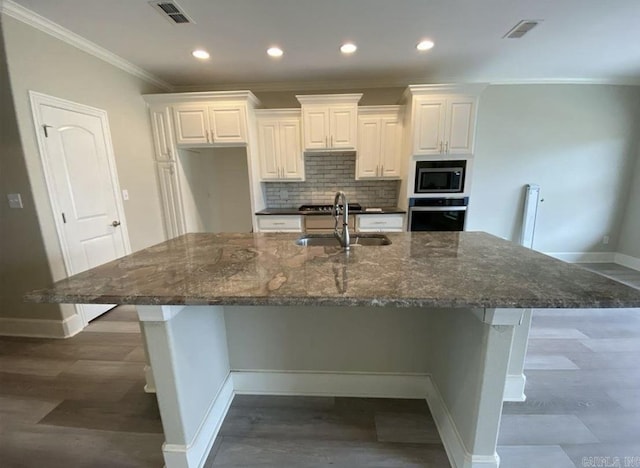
column 344, row 384
column 583, row 257
column 514, row 388
column 628, row 261
column 47, row 328
column 195, row 453
column 456, row 451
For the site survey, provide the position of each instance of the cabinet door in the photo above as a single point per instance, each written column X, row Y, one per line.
column 460, row 126
column 160, row 118
column 291, row 158
column 390, row 147
column 428, row 127
column 315, row 123
column 342, row 127
column 228, row 124
column 368, row 157
column 192, row 124
column 380, row 223
column 170, row 197
column 268, row 135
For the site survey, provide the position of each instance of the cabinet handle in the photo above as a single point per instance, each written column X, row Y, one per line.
column 278, row 224
column 332, row 141
column 446, row 147
column 207, row 133
column 377, row 172
column 326, row 141
column 382, row 170
column 441, row 147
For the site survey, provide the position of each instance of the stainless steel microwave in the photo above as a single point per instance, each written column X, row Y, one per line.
column 440, row 176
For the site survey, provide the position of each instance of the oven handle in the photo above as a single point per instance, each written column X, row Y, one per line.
column 438, row 208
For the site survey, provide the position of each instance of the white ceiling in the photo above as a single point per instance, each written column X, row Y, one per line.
column 578, row 40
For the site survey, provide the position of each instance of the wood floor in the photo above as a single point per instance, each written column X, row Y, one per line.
column 80, row 403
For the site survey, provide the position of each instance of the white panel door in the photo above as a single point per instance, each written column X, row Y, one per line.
column 429, row 127
column 390, row 148
column 342, row 125
column 460, row 125
column 161, row 133
column 192, row 124
column 368, row 157
column 76, row 147
column 171, row 205
column 228, row 124
column 315, row 123
column 291, row 150
column 268, row 149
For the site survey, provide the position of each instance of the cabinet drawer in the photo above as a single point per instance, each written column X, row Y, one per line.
column 391, row 222
column 274, row 223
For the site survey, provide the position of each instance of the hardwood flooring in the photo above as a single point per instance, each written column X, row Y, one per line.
column 80, row 403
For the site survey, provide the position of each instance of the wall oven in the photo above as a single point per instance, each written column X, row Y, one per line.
column 437, row 214
column 439, row 176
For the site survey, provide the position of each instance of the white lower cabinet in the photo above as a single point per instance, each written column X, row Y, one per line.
column 280, row 223
column 380, row 223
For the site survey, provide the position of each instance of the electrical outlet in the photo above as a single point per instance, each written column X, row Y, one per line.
column 15, row 200
column 605, row 240
column 125, row 194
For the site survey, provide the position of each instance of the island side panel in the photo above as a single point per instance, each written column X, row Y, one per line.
column 188, row 355
column 328, row 339
column 468, row 363
column 516, row 379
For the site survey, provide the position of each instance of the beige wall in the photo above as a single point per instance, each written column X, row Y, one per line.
column 39, row 62
column 630, row 235
column 578, row 142
column 214, row 183
column 22, row 256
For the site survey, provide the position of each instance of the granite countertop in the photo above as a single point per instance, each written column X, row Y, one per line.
column 427, row 269
column 296, row 211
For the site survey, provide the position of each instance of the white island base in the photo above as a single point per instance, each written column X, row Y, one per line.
column 456, row 359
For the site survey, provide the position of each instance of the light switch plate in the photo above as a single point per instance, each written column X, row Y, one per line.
column 15, row 200
column 125, row 194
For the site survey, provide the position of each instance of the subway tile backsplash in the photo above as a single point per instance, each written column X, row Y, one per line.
column 326, row 173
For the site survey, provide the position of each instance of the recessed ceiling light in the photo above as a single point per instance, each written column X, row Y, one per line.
column 275, row 52
column 348, row 48
column 200, row 54
column 425, row 45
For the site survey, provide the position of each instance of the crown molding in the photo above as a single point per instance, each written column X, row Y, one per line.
column 238, row 95
column 301, row 85
column 628, row 81
column 20, row 13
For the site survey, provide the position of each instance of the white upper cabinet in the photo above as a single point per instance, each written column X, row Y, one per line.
column 329, row 121
column 444, row 125
column 211, row 124
column 162, row 134
column 379, row 143
column 442, row 119
column 279, row 145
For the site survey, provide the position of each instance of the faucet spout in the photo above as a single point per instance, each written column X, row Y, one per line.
column 341, row 211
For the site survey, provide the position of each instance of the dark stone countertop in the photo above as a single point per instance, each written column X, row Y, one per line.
column 296, row 211
column 426, row 269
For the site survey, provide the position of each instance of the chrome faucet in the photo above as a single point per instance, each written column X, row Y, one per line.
column 343, row 236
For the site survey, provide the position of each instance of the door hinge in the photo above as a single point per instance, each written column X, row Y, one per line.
column 64, row 218
column 46, row 133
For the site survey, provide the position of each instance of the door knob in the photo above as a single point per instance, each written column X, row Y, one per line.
column 115, row 223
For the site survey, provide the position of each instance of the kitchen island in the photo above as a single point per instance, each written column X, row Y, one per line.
column 433, row 315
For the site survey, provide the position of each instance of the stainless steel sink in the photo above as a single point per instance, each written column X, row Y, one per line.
column 329, row 240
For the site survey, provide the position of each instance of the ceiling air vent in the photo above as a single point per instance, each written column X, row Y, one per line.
column 172, row 12
column 520, row 29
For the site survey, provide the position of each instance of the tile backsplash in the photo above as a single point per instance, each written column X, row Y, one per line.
column 326, row 173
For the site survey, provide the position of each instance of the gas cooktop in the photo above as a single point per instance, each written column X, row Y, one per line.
column 327, row 208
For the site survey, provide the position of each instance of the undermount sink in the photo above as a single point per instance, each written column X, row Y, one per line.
column 330, row 240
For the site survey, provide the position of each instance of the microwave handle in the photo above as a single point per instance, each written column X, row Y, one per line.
column 438, row 208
